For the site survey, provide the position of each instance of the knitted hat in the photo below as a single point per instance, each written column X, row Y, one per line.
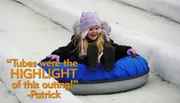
column 87, row 21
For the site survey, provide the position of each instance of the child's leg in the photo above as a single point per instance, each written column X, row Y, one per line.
column 112, row 54
column 92, row 55
column 108, row 58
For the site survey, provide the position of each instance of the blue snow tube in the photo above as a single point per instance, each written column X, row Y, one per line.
column 128, row 73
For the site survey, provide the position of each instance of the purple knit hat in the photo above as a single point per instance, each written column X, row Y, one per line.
column 87, row 21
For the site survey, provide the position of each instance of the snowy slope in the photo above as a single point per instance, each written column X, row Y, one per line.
column 132, row 19
column 25, row 31
column 155, row 91
column 26, row 36
column 147, row 47
column 22, row 93
column 166, row 8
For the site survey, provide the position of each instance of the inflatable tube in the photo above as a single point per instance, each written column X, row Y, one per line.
column 106, row 87
column 128, row 73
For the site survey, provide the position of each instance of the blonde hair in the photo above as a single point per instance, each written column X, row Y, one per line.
column 99, row 42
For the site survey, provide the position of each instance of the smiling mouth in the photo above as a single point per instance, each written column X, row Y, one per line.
column 94, row 35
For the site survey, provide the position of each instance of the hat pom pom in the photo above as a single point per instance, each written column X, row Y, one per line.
column 76, row 27
column 106, row 27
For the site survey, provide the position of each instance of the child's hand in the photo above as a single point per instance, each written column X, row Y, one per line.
column 131, row 52
column 53, row 57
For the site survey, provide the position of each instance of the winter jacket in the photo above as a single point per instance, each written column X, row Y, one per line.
column 69, row 52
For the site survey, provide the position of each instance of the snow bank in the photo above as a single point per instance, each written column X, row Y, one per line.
column 55, row 10
column 9, row 51
column 167, row 8
column 162, row 57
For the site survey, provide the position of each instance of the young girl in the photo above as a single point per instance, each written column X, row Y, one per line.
column 91, row 44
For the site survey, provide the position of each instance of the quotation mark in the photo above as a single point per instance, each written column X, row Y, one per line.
column 74, row 81
column 9, row 61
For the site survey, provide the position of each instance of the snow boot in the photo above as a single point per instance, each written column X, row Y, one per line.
column 109, row 58
column 92, row 54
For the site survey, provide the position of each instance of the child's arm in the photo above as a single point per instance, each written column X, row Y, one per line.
column 120, row 50
column 64, row 52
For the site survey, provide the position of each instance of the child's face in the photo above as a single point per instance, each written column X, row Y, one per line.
column 93, row 33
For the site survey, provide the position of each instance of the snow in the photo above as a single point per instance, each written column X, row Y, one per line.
column 21, row 93
column 144, row 46
column 6, row 96
column 27, row 42
column 132, row 19
column 155, row 91
column 33, row 37
column 167, row 8
column 162, row 57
